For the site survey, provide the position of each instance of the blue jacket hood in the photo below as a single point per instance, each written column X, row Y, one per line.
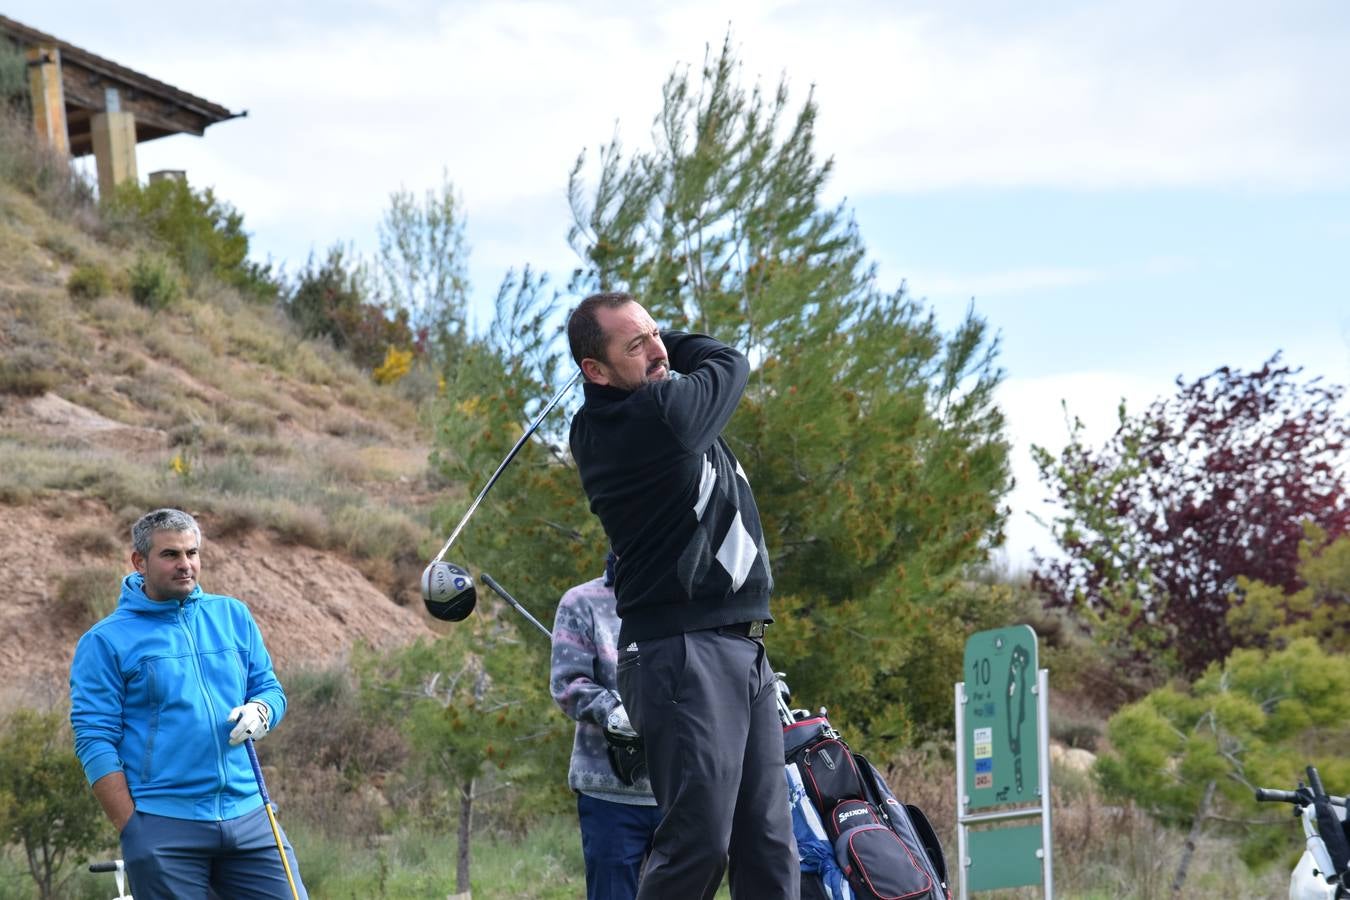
column 134, row 599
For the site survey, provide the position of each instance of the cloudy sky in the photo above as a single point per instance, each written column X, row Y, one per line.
column 1128, row 192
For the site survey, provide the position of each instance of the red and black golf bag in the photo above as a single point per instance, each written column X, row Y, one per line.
column 854, row 839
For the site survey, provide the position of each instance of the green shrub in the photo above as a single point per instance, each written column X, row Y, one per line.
column 13, row 77
column 331, row 300
column 154, row 283
column 88, row 282
column 250, row 418
column 26, row 379
column 48, row 811
column 59, row 247
column 204, row 235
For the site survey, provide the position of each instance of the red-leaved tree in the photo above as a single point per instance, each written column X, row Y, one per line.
column 1204, row 486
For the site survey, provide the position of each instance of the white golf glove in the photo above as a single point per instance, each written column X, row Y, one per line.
column 252, row 718
column 617, row 722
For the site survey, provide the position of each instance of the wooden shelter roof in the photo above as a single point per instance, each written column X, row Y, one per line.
column 160, row 109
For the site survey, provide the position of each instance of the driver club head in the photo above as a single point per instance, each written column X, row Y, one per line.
column 448, row 592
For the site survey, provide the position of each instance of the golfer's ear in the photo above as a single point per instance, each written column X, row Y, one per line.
column 594, row 370
column 138, row 562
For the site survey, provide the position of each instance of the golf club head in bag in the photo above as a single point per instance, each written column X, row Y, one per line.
column 448, row 592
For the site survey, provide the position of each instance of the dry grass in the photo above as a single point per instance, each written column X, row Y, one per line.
column 94, row 542
column 1101, row 850
column 89, row 593
column 278, row 432
column 29, row 164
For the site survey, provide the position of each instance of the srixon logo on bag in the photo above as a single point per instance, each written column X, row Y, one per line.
column 851, row 814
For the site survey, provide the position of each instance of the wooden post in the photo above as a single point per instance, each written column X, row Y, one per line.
column 114, row 133
column 49, row 99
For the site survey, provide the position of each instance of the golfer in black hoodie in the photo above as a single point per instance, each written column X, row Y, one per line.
column 693, row 586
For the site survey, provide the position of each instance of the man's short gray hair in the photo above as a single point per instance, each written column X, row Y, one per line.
column 143, row 532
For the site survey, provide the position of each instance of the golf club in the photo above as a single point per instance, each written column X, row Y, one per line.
column 271, row 816
column 447, row 589
column 501, row 592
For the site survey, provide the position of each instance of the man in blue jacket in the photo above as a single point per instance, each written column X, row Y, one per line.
column 163, row 693
column 693, row 585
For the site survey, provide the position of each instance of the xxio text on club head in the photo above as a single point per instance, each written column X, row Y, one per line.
column 448, row 591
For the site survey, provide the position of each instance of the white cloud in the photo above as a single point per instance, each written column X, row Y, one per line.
column 346, row 104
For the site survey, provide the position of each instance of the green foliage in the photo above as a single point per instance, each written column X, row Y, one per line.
column 423, row 265
column 88, row 282
column 13, row 78
column 154, row 283
column 24, row 375
column 204, row 235
column 871, row 437
column 46, row 807
column 473, row 705
column 327, row 727
column 1265, row 615
column 1117, row 615
column 60, row 246
column 331, row 300
column 543, row 864
column 1255, row 720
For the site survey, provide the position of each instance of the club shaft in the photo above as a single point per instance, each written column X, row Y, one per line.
column 505, row 462
column 271, row 817
column 501, row 592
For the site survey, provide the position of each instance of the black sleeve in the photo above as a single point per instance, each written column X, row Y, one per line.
column 698, row 406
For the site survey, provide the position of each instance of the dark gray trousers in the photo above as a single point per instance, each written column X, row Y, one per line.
column 705, row 706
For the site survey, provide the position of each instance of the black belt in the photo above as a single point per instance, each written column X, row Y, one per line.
column 753, row 629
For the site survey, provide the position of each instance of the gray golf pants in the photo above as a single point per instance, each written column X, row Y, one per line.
column 705, row 706
column 182, row 859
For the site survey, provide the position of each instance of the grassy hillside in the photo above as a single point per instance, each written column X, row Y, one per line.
column 308, row 478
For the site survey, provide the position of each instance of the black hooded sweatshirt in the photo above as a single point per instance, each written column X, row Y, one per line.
column 675, row 503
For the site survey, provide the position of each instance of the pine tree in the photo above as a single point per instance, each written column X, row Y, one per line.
column 871, row 438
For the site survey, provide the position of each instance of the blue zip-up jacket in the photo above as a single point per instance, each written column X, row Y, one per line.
column 150, row 689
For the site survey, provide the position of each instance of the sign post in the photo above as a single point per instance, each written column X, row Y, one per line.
column 1003, row 760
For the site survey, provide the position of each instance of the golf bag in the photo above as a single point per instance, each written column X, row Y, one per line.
column 854, row 839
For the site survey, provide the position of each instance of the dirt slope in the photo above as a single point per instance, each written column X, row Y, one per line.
column 310, row 605
column 98, row 396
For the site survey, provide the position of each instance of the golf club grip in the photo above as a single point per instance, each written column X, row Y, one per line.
column 257, row 772
column 1271, row 795
column 109, row 866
